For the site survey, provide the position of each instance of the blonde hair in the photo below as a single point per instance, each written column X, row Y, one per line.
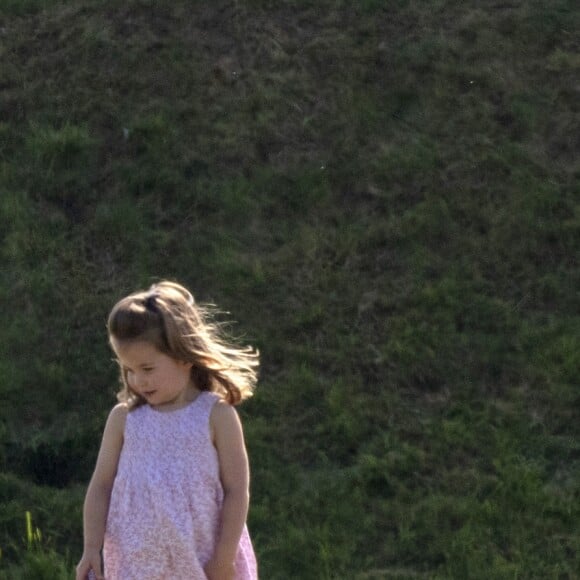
column 168, row 317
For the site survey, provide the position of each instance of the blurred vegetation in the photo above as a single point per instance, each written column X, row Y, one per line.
column 384, row 194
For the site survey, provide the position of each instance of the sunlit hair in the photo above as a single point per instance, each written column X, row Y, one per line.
column 168, row 317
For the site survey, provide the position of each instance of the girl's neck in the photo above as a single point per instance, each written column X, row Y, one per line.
column 180, row 402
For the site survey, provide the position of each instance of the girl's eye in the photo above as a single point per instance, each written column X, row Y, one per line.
column 148, row 369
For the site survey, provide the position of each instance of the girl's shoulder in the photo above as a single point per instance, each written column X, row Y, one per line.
column 223, row 418
column 120, row 410
column 122, row 405
column 118, row 416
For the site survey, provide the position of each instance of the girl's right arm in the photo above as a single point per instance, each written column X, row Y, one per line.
column 96, row 505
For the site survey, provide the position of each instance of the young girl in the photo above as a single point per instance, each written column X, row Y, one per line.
column 169, row 495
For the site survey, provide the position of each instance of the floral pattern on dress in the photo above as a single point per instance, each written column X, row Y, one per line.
column 165, row 506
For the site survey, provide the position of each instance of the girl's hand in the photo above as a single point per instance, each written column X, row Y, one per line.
column 219, row 570
column 90, row 561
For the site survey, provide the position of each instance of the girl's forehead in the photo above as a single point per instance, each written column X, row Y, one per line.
column 134, row 350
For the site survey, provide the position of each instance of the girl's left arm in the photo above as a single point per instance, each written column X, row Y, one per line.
column 228, row 439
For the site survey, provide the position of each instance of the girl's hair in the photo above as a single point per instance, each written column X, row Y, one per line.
column 168, row 317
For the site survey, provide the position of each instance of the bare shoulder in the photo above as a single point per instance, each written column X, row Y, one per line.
column 111, row 446
column 224, row 419
column 120, row 410
column 115, row 426
column 228, row 438
column 118, row 417
column 222, row 411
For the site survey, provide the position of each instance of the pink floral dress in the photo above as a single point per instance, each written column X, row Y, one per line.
column 166, row 502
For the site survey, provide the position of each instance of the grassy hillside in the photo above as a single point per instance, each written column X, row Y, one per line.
column 385, row 196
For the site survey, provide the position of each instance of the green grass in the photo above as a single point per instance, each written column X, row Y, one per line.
column 22, row 8
column 385, row 197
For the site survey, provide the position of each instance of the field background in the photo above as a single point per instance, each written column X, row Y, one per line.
column 384, row 194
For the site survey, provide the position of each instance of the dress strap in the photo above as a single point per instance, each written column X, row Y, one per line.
column 205, row 405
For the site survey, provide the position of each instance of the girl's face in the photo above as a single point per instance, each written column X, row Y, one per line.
column 162, row 381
